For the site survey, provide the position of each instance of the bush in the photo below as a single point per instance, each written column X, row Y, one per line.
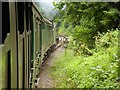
column 106, row 40
column 96, row 71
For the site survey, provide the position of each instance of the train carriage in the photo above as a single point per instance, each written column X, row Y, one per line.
column 27, row 38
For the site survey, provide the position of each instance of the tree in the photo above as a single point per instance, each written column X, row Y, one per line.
column 88, row 18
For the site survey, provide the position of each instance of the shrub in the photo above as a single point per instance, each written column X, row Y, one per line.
column 96, row 71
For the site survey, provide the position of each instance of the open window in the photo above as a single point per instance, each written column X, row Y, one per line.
column 20, row 9
column 5, row 20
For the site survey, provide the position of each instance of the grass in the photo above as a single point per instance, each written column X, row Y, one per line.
column 96, row 71
column 60, row 70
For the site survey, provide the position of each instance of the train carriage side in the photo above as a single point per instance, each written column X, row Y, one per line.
column 8, row 46
column 24, row 42
column 53, row 37
column 43, row 39
column 36, row 45
column 46, row 37
column 27, row 37
column 16, row 45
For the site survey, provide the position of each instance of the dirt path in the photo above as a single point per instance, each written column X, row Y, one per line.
column 45, row 80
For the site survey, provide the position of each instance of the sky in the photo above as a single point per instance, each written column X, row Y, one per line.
column 47, row 7
column 46, row 1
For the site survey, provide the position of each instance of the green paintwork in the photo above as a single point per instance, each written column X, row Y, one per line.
column 26, row 50
column 1, row 67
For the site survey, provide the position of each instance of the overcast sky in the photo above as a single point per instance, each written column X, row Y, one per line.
column 46, row 1
column 47, row 8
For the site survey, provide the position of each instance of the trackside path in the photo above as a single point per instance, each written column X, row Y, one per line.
column 45, row 80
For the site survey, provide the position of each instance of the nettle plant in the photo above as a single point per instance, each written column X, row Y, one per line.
column 106, row 40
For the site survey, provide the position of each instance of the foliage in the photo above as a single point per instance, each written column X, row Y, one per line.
column 87, row 19
column 105, row 40
column 93, row 27
column 96, row 71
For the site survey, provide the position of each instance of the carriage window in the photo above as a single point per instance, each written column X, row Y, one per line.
column 43, row 25
column 46, row 26
column 0, row 23
column 20, row 17
column 31, row 20
column 5, row 20
column 27, row 16
column 9, row 69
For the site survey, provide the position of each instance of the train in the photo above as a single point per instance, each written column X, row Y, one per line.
column 27, row 39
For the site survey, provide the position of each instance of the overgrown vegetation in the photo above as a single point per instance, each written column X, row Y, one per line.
column 84, row 20
column 96, row 71
column 92, row 59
